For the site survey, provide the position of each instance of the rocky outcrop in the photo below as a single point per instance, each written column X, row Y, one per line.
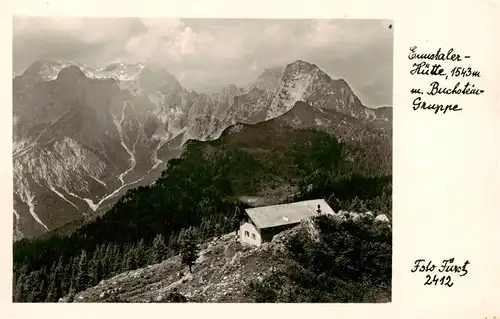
column 221, row 273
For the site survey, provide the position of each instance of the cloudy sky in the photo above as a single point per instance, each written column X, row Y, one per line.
column 207, row 54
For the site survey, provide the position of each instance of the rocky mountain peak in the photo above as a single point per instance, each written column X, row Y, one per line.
column 269, row 79
column 122, row 66
column 306, row 82
column 154, row 77
column 275, row 72
column 300, row 80
column 227, row 94
column 301, row 66
column 71, row 73
column 44, row 69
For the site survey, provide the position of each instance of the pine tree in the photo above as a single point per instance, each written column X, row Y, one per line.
column 82, row 278
column 101, row 252
column 93, row 267
column 218, row 229
column 38, row 287
column 74, row 271
column 124, row 261
column 96, row 268
column 116, row 259
column 98, row 272
column 107, row 261
column 159, row 250
column 205, row 226
column 52, row 290
column 189, row 248
column 58, row 278
column 140, row 254
column 41, row 290
column 173, row 241
column 130, row 259
column 18, row 292
column 66, row 277
column 16, row 288
column 31, row 286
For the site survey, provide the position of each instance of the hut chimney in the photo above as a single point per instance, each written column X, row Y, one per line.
column 319, row 209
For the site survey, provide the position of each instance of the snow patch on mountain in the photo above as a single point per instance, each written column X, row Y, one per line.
column 319, row 122
column 114, row 193
column 28, row 198
column 91, row 204
column 17, row 220
column 154, row 156
column 122, row 72
column 65, row 165
column 52, row 188
column 118, row 123
column 161, row 136
column 99, row 181
column 50, row 70
column 71, row 158
column 21, row 147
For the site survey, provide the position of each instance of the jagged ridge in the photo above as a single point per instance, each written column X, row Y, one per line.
column 124, row 121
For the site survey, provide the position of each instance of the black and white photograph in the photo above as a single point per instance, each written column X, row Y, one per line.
column 161, row 160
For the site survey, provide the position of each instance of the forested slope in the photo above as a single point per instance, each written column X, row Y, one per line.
column 200, row 190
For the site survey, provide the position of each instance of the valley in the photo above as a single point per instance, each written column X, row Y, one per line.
column 96, row 133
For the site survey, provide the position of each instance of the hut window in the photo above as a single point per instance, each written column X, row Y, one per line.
column 253, row 236
column 247, row 233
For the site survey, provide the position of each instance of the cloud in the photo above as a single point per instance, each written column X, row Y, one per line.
column 206, row 54
column 87, row 40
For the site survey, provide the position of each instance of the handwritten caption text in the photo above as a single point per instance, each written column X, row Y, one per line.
column 455, row 79
column 442, row 275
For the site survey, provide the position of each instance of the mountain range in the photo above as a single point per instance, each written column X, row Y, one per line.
column 83, row 136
